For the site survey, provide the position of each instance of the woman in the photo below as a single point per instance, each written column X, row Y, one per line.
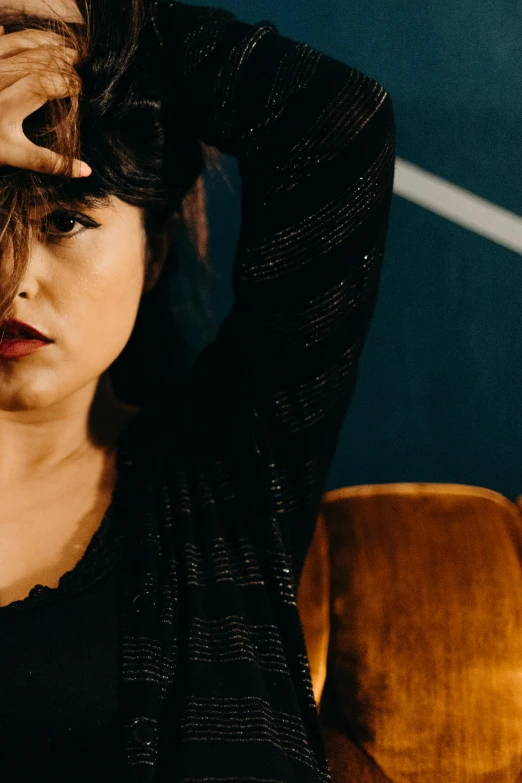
column 155, row 518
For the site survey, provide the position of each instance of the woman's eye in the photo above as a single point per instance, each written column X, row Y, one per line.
column 66, row 224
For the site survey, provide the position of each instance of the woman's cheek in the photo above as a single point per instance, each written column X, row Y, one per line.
column 111, row 306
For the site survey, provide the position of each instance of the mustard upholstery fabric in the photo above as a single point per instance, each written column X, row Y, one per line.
column 413, row 624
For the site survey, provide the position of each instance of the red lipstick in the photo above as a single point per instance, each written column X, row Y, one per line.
column 19, row 339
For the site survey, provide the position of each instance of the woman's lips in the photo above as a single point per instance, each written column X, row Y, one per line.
column 14, row 347
column 13, row 328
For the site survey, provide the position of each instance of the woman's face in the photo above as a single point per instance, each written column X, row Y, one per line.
column 82, row 289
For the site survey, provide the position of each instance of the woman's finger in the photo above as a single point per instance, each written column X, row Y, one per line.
column 34, row 69
column 36, row 60
column 13, row 43
column 27, row 155
column 20, row 100
column 28, row 94
column 48, row 162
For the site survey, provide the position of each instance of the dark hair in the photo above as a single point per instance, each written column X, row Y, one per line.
column 126, row 128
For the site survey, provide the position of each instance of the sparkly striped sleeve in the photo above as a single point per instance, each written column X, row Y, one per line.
column 315, row 145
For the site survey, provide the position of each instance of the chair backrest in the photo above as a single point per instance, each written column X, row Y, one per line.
column 424, row 666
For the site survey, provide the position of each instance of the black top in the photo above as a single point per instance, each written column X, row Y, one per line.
column 220, row 490
column 60, row 655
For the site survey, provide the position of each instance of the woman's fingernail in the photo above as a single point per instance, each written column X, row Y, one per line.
column 85, row 170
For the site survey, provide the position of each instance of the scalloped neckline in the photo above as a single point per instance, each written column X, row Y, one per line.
column 104, row 551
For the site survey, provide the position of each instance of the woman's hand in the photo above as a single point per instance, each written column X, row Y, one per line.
column 35, row 67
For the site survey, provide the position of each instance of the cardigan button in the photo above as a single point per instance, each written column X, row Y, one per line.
column 143, row 601
column 143, row 731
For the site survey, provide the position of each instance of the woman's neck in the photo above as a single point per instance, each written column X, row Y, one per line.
column 42, row 443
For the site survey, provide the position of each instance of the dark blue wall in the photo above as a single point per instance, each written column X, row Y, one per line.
column 440, row 388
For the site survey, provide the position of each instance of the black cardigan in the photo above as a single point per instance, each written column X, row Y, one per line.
column 217, row 495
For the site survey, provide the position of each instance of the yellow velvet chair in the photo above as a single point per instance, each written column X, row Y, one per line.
column 411, row 603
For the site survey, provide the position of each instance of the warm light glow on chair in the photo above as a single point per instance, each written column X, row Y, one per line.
column 411, row 602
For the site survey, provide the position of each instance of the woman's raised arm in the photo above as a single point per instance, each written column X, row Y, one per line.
column 315, row 144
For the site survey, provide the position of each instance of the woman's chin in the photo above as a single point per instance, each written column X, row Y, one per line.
column 25, row 399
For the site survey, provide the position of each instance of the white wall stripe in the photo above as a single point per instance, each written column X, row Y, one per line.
column 458, row 205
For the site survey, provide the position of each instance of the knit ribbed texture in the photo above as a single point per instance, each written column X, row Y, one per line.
column 224, row 487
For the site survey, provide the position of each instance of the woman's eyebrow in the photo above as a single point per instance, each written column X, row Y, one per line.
column 74, row 204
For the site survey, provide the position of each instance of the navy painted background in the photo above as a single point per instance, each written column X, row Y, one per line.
column 439, row 392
